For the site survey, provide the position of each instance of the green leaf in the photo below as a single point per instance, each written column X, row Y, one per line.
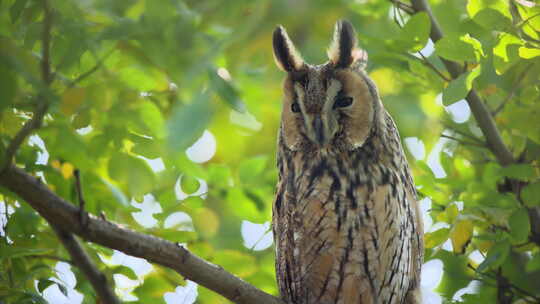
column 415, row 33
column 62, row 288
column 492, row 19
column 531, row 194
column 458, row 88
column 250, row 169
column 226, row 91
column 436, row 238
column 43, row 284
column 462, row 48
column 152, row 118
column 519, row 225
column 492, row 15
column 16, row 9
column 503, row 52
column 242, row 206
column 8, row 86
column 243, row 264
column 117, row 193
column 518, row 171
column 206, row 222
column 495, row 257
column 461, row 235
column 528, row 53
column 188, row 122
column 219, row 176
column 189, row 184
column 132, row 172
column 534, row 263
column 127, row 271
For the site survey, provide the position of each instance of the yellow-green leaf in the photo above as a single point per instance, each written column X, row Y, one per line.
column 461, row 235
column 71, row 100
column 528, row 53
column 436, row 238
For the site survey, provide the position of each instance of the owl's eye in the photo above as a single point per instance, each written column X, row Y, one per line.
column 295, row 107
column 342, row 102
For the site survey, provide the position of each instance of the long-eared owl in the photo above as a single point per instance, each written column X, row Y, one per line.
column 346, row 220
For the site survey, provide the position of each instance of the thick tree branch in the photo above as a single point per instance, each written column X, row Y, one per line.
column 478, row 108
column 85, row 264
column 66, row 216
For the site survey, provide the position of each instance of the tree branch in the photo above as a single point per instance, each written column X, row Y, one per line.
column 81, row 259
column 46, row 76
column 478, row 108
column 66, row 216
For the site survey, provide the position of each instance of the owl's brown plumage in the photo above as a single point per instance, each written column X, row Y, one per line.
column 346, row 221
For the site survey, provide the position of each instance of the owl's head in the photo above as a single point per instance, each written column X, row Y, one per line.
column 330, row 105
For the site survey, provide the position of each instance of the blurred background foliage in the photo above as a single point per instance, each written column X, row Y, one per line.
column 137, row 82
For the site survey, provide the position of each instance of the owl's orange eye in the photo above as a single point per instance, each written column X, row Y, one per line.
column 342, row 102
column 295, row 107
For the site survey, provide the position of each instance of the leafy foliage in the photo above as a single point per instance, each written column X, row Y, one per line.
column 138, row 82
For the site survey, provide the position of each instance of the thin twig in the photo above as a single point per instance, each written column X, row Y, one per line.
column 463, row 142
column 511, row 285
column 81, row 259
column 82, row 213
column 51, row 257
column 96, row 67
column 430, row 65
column 515, row 87
column 423, row 60
column 463, row 133
column 46, row 75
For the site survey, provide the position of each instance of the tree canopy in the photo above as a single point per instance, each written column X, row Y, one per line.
column 158, row 119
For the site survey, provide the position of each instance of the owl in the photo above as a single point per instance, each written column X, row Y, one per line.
column 346, row 220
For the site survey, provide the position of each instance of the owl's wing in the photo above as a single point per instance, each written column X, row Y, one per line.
column 399, row 229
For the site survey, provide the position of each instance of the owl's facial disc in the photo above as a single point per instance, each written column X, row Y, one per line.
column 319, row 111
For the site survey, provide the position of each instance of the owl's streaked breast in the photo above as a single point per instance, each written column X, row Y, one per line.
column 335, row 221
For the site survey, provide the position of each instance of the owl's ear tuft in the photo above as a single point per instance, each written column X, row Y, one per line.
column 343, row 51
column 285, row 54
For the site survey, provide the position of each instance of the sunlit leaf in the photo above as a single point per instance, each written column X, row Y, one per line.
column 460, row 87
column 251, row 168
column 528, row 53
column 461, row 235
column 189, row 184
column 436, row 238
column 133, row 172
column 415, row 32
column 464, row 48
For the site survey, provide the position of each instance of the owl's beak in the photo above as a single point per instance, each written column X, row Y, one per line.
column 319, row 133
